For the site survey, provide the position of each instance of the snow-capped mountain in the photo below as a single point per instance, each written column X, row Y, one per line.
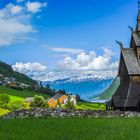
column 86, row 85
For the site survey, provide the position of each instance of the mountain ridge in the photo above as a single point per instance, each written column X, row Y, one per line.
column 87, row 86
column 109, row 92
column 7, row 73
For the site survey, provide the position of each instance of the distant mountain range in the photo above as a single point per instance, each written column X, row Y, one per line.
column 89, row 87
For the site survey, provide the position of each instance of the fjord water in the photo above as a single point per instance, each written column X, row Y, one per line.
column 85, row 88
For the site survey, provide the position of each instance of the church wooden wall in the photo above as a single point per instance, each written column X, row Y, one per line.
column 138, row 54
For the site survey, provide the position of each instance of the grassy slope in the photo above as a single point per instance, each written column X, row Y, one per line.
column 107, row 94
column 90, row 106
column 19, row 95
column 70, row 129
column 16, row 98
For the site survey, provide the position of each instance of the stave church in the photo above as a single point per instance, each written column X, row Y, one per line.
column 127, row 96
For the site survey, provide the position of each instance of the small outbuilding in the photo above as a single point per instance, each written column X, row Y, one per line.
column 28, row 99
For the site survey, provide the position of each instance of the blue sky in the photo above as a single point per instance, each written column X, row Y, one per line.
column 51, row 38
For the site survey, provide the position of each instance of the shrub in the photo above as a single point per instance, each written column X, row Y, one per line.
column 16, row 105
column 46, row 104
column 4, row 100
column 38, row 101
column 26, row 105
column 3, row 111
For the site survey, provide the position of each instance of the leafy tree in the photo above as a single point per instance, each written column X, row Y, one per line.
column 41, row 85
column 59, row 104
column 48, row 86
column 70, row 104
column 46, row 104
column 38, row 101
column 78, row 98
column 46, row 90
column 61, row 92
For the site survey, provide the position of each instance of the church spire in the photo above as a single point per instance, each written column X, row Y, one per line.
column 138, row 19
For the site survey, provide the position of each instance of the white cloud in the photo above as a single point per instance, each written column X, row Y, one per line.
column 67, row 50
column 16, row 9
column 83, row 65
column 89, row 61
column 39, row 72
column 15, row 24
column 34, row 70
column 35, row 7
column 29, row 67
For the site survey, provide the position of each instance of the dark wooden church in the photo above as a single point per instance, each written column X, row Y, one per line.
column 127, row 96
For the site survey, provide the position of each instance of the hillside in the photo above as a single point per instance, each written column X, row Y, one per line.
column 107, row 94
column 20, row 94
column 6, row 71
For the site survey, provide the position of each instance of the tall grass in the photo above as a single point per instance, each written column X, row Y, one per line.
column 70, row 129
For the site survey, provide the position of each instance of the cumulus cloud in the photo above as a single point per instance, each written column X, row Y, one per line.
column 89, row 61
column 35, row 7
column 15, row 24
column 83, row 65
column 16, row 9
column 39, row 72
column 67, row 50
column 29, row 67
column 34, row 70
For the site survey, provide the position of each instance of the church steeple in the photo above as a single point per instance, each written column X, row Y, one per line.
column 138, row 20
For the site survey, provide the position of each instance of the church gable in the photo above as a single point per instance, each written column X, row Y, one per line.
column 131, row 61
column 122, row 67
column 136, row 39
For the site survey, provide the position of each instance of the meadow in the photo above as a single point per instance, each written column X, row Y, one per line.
column 90, row 106
column 19, row 94
column 70, row 129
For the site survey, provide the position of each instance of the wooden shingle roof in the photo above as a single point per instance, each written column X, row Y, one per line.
column 57, row 96
column 136, row 38
column 131, row 61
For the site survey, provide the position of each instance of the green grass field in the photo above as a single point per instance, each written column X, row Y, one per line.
column 21, row 95
column 17, row 94
column 70, row 129
column 90, row 106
